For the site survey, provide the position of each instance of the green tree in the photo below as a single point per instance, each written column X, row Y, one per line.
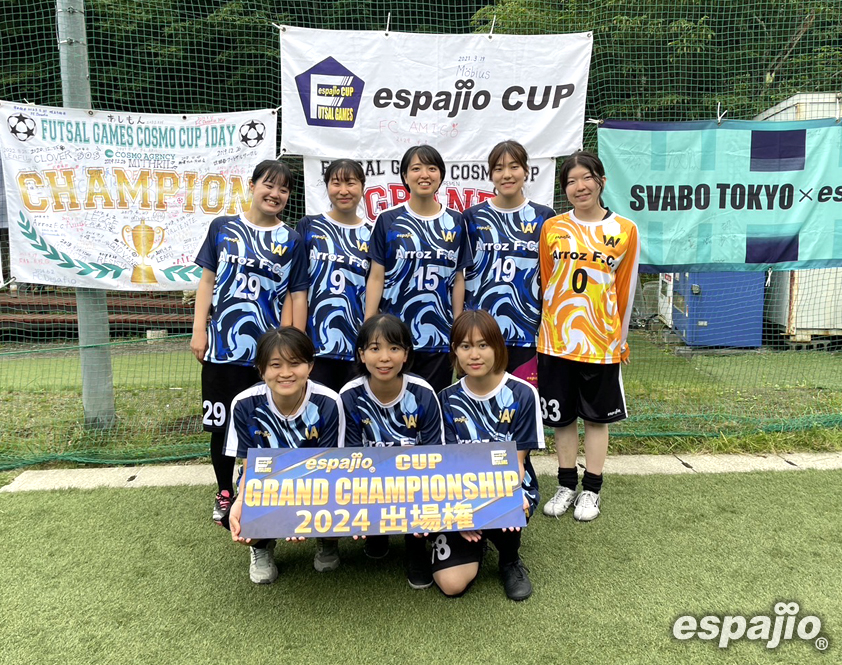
column 676, row 60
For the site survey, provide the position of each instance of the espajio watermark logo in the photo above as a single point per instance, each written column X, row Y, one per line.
column 784, row 625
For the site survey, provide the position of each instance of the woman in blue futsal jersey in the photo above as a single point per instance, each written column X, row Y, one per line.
column 250, row 262
column 337, row 244
column 419, row 250
column 503, row 278
column 385, row 406
column 287, row 410
column 487, row 404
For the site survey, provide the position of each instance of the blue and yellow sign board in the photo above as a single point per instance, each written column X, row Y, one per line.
column 335, row 492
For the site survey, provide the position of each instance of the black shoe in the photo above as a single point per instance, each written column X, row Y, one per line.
column 376, row 547
column 516, row 581
column 419, row 572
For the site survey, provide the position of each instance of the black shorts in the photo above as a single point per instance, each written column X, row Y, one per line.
column 571, row 389
column 221, row 383
column 523, row 363
column 451, row 549
column 333, row 373
column 434, row 368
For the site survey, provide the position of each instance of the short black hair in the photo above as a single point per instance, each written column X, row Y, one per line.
column 343, row 169
column 271, row 170
column 391, row 329
column 426, row 154
column 586, row 160
column 291, row 343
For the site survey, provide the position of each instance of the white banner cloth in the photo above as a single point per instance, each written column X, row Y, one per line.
column 370, row 95
column 465, row 184
column 109, row 200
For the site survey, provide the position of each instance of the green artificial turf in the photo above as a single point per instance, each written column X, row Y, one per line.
column 143, row 576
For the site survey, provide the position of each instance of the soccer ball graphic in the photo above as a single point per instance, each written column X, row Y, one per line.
column 21, row 126
column 252, row 133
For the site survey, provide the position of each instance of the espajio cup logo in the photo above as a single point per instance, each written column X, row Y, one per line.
column 784, row 625
column 330, row 94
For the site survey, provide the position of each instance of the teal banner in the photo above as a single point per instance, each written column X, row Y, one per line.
column 740, row 196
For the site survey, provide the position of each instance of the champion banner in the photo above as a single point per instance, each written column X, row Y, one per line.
column 740, row 196
column 465, row 184
column 372, row 95
column 122, row 201
column 307, row 492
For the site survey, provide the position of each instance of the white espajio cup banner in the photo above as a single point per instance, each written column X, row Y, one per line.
column 465, row 184
column 121, row 201
column 371, row 95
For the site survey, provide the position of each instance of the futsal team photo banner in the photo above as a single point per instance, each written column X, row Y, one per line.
column 740, row 196
column 372, row 95
column 122, row 201
column 317, row 492
column 464, row 184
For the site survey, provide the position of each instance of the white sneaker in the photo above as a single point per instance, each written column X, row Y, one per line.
column 262, row 569
column 561, row 501
column 587, row 506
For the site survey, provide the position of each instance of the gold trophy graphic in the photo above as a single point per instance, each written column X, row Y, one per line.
column 144, row 240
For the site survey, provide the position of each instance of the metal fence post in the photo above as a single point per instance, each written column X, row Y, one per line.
column 91, row 304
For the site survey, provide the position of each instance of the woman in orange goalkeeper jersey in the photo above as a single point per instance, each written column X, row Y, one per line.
column 588, row 258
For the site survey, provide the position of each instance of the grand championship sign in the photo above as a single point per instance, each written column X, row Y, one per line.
column 740, row 196
column 121, row 201
column 310, row 492
column 464, row 184
column 371, row 95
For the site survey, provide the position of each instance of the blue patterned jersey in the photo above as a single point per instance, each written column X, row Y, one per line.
column 257, row 423
column 413, row 418
column 337, row 258
column 504, row 276
column 421, row 256
column 511, row 412
column 255, row 268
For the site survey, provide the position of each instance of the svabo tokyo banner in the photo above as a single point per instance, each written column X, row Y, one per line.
column 740, row 196
column 122, row 201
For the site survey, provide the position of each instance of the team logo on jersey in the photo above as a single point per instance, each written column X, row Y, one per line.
column 330, row 94
column 411, row 422
column 280, row 250
column 506, row 415
column 528, row 227
column 311, row 433
column 362, row 246
column 610, row 241
column 554, row 237
column 263, row 433
column 448, row 236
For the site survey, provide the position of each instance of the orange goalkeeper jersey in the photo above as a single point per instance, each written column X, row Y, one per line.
column 588, row 272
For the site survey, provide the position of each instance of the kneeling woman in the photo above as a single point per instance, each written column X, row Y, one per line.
column 287, row 410
column 386, row 406
column 471, row 408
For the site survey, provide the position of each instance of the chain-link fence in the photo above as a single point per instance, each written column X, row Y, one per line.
column 652, row 60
